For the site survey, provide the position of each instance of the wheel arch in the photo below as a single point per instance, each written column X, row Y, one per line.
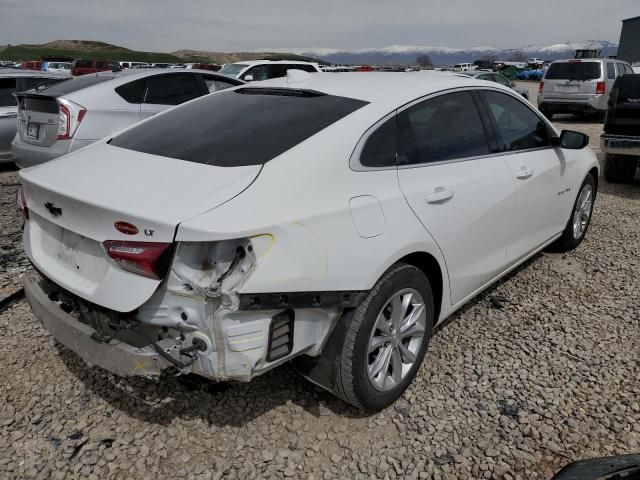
column 430, row 266
column 594, row 172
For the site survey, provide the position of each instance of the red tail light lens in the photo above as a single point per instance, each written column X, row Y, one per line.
column 600, row 88
column 69, row 118
column 149, row 259
column 21, row 201
column 541, row 87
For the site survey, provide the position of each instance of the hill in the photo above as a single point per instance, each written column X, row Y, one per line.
column 230, row 57
column 89, row 49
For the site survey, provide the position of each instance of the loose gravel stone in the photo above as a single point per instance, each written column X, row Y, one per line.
column 541, row 369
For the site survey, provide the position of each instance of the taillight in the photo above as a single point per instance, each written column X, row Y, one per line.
column 69, row 118
column 600, row 88
column 21, row 201
column 149, row 259
column 541, row 87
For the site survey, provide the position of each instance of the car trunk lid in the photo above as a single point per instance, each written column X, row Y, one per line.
column 79, row 202
column 38, row 119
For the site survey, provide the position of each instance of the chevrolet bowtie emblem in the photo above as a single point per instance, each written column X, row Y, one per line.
column 53, row 210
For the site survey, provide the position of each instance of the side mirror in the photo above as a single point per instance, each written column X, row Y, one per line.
column 248, row 78
column 571, row 140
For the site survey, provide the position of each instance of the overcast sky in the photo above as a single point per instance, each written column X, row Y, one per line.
column 237, row 25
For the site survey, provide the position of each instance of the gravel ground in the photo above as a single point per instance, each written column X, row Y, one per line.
column 542, row 369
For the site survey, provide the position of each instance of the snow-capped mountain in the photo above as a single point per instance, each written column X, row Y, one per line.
column 406, row 54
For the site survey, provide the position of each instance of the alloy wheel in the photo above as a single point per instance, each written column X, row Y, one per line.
column 396, row 339
column 582, row 211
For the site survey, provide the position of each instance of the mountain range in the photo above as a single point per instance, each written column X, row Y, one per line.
column 406, row 54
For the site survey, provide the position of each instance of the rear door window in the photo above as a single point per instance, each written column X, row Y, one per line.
column 574, row 71
column 247, row 126
column 442, row 128
column 611, row 71
column 517, row 126
column 172, row 89
column 380, row 148
column 132, row 92
column 7, row 89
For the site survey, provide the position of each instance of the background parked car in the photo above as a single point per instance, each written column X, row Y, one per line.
column 580, row 86
column 60, row 67
column 83, row 67
column 464, row 67
column 620, row 140
column 31, row 65
column 501, row 79
column 265, row 69
column 57, row 120
column 12, row 81
column 134, row 64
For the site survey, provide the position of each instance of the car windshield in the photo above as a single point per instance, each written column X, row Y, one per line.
column 233, row 69
column 248, row 126
column 574, row 71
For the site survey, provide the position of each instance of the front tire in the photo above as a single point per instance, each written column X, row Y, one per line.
column 578, row 223
column 386, row 339
column 619, row 168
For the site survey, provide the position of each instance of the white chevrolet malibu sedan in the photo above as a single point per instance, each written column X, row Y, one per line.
column 330, row 218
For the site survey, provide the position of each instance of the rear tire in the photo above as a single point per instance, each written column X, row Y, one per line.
column 387, row 333
column 578, row 224
column 619, row 168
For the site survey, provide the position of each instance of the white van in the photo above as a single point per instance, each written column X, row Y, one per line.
column 464, row 67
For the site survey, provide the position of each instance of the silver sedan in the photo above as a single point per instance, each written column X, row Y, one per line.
column 12, row 81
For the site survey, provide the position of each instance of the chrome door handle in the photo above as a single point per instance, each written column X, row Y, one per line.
column 439, row 195
column 524, row 173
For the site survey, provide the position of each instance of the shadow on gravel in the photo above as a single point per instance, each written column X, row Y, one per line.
column 630, row 191
column 8, row 167
column 490, row 297
column 192, row 397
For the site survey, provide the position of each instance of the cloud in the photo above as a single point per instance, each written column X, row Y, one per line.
column 238, row 25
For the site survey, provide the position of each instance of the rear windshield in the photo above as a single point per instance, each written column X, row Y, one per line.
column 574, row 71
column 248, row 126
column 75, row 84
column 83, row 63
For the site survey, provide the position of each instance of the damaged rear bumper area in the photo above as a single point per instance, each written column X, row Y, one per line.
column 114, row 355
column 213, row 340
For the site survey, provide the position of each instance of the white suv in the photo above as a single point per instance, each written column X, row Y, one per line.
column 266, row 69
